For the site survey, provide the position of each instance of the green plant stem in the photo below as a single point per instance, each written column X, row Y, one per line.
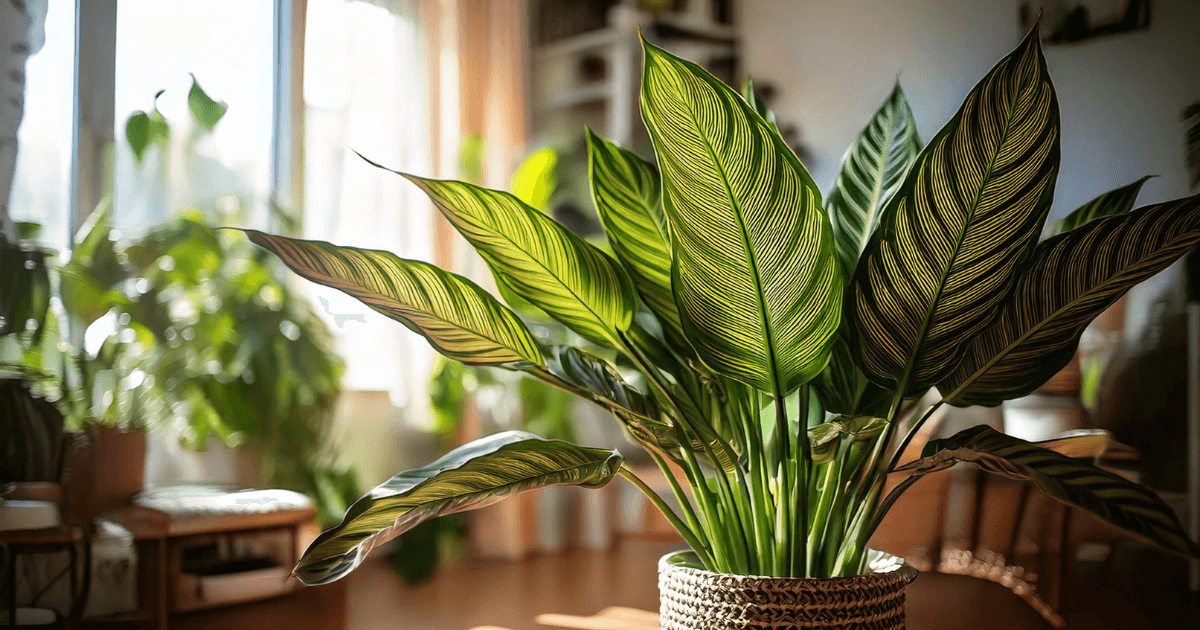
column 743, row 409
column 666, row 510
column 681, row 496
column 783, row 521
column 800, row 542
column 717, row 533
column 912, row 432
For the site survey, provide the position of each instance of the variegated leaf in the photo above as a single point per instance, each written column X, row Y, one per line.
column 540, row 260
column 942, row 262
column 1072, row 278
column 1122, row 503
column 460, row 319
column 469, row 477
column 755, row 273
column 872, row 170
column 1111, row 203
column 628, row 199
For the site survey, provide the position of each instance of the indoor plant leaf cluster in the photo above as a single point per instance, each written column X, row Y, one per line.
column 777, row 338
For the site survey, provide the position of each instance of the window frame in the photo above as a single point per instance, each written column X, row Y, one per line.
column 94, row 136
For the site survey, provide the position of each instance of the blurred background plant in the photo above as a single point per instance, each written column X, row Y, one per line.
column 186, row 326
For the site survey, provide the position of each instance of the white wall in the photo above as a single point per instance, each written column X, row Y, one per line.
column 1120, row 96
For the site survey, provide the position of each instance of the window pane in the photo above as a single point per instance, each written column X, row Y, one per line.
column 41, row 183
column 228, row 45
column 364, row 89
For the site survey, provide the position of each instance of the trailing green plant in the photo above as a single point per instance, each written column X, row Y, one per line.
column 772, row 341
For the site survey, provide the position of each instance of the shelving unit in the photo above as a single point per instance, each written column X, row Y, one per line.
column 591, row 77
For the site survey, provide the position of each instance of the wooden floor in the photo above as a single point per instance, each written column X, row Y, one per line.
column 617, row 590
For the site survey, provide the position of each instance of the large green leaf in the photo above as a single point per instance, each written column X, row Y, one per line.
column 1111, row 203
column 1126, row 505
column 469, row 477
column 1072, row 278
column 628, row 199
column 755, row 273
column 460, row 319
column 540, row 260
column 872, row 170
column 941, row 264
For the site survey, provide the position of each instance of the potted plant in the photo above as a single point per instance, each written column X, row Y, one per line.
column 770, row 343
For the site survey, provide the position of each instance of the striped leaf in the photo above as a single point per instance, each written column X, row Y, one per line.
column 540, row 260
column 941, row 264
column 755, row 273
column 872, row 170
column 628, row 199
column 460, row 319
column 593, row 378
column 469, row 477
column 1111, row 203
column 1122, row 503
column 1072, row 278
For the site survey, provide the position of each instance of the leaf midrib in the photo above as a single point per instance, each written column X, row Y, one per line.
column 877, row 190
column 598, row 319
column 925, row 324
column 381, row 297
column 1098, row 288
column 765, row 324
column 422, row 484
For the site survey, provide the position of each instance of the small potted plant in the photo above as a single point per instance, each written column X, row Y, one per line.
column 775, row 340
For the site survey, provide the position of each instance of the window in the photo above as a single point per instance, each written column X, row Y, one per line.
column 364, row 91
column 228, row 45
column 41, row 183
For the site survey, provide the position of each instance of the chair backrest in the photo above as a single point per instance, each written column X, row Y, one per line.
column 31, row 435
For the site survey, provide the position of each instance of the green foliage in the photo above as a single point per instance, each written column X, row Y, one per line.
column 467, row 477
column 142, row 130
column 190, row 325
column 769, row 344
column 205, row 110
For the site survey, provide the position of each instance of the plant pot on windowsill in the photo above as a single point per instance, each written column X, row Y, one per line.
column 695, row 599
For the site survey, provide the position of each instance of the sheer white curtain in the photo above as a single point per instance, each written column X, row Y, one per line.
column 365, row 90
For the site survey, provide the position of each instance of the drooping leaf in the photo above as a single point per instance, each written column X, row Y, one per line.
column 540, row 260
column 824, row 437
column 755, row 273
column 469, row 477
column 207, row 111
column 628, row 199
column 1124, row 504
column 460, row 319
column 1111, row 203
column 1072, row 278
column 943, row 259
column 872, row 170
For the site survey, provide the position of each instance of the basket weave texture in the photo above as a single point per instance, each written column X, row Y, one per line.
column 696, row 599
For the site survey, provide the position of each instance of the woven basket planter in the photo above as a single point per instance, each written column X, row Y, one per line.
column 695, row 599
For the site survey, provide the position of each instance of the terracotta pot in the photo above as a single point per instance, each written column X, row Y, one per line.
column 118, row 466
column 695, row 599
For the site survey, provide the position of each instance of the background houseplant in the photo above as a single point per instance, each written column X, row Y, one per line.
column 770, row 344
column 139, row 336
